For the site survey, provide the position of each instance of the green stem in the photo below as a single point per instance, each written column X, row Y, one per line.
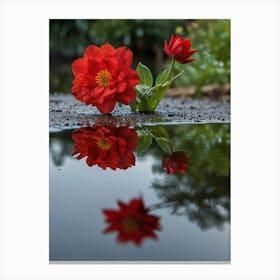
column 170, row 69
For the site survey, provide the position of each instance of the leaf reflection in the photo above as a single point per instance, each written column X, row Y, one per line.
column 106, row 146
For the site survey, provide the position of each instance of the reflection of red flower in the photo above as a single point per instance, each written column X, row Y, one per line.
column 132, row 222
column 177, row 162
column 103, row 77
column 179, row 49
column 106, row 146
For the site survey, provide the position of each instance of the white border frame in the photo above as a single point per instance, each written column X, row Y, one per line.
column 254, row 129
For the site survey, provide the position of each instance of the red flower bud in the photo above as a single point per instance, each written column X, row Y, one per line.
column 179, row 49
column 177, row 162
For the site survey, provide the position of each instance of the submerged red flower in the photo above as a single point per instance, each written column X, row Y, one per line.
column 106, row 146
column 132, row 222
column 103, row 77
column 177, row 162
column 179, row 49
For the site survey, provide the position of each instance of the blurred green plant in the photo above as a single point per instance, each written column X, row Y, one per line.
column 71, row 37
column 212, row 61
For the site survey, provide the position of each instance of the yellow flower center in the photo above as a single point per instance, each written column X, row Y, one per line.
column 103, row 78
column 103, row 144
column 130, row 225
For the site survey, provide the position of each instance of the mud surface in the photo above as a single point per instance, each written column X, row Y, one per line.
column 66, row 113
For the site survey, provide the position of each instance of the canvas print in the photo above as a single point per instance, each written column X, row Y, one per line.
column 139, row 140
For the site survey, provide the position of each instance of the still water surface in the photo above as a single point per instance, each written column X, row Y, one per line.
column 154, row 193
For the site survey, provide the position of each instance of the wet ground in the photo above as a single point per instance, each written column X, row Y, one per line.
column 67, row 112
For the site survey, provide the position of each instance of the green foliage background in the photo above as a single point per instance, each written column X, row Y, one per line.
column 212, row 61
column 69, row 38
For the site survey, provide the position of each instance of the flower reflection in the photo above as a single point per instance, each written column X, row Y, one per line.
column 132, row 222
column 106, row 146
column 176, row 162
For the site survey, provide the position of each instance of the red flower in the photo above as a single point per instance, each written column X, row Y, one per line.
column 132, row 222
column 103, row 77
column 179, row 49
column 177, row 162
column 106, row 146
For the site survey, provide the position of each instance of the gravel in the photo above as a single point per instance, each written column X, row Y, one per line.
column 67, row 113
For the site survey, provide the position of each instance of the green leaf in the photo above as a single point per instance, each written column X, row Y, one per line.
column 176, row 76
column 162, row 77
column 145, row 74
column 165, row 145
column 157, row 93
column 162, row 139
column 159, row 90
column 143, row 143
column 134, row 105
column 142, row 90
column 149, row 95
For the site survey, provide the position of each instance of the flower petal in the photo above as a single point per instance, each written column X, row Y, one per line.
column 126, row 97
column 91, row 51
column 121, row 87
column 107, row 106
column 126, row 55
column 79, row 66
column 108, row 49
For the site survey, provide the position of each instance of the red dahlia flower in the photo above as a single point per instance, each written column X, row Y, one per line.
column 103, row 77
column 177, row 162
column 106, row 146
column 179, row 49
column 132, row 222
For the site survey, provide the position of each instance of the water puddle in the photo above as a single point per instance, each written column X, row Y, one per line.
column 150, row 193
